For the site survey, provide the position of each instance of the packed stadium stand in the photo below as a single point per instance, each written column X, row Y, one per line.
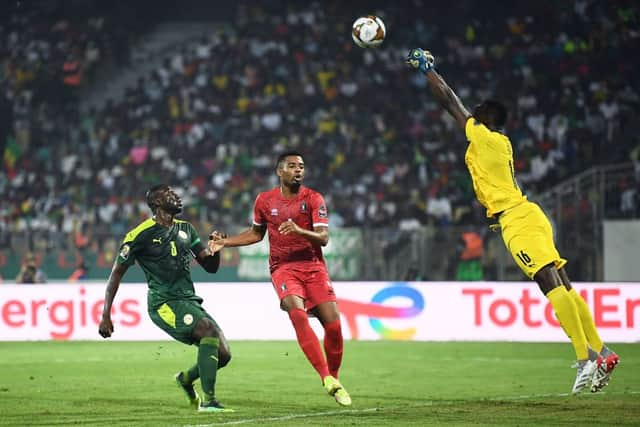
column 213, row 114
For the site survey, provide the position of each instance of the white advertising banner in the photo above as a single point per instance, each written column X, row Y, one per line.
column 423, row 311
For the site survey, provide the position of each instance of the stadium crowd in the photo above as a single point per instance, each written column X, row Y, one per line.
column 285, row 75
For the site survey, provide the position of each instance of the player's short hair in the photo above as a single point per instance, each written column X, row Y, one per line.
column 284, row 155
column 494, row 111
column 152, row 196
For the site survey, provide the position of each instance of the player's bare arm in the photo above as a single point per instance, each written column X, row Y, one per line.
column 319, row 234
column 117, row 272
column 424, row 61
column 447, row 98
column 254, row 234
column 207, row 258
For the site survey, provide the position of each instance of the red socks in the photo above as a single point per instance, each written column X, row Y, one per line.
column 333, row 346
column 308, row 341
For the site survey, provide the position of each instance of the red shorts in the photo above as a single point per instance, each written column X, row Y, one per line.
column 311, row 284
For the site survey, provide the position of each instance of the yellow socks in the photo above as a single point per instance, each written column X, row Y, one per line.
column 588, row 325
column 569, row 318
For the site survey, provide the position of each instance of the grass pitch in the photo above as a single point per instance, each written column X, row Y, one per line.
column 270, row 383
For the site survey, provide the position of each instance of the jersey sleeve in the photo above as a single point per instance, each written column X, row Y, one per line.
column 193, row 235
column 195, row 243
column 128, row 249
column 258, row 211
column 476, row 131
column 319, row 212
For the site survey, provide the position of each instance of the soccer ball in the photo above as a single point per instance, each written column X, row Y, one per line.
column 368, row 31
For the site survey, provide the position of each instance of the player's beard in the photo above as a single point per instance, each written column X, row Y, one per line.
column 294, row 186
column 296, row 183
column 173, row 208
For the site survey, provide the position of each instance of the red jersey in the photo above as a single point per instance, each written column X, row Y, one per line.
column 307, row 210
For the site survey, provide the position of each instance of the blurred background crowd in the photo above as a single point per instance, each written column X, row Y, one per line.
column 215, row 112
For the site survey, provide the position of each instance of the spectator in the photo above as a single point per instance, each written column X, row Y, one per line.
column 80, row 273
column 30, row 272
column 469, row 253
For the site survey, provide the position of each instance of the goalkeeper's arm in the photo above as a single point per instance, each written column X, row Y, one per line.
column 424, row 61
column 447, row 98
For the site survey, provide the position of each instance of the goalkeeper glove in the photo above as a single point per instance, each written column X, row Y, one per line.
column 421, row 60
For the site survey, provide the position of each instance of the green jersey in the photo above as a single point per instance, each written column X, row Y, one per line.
column 164, row 254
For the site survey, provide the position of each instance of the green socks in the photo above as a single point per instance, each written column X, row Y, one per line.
column 191, row 374
column 208, row 366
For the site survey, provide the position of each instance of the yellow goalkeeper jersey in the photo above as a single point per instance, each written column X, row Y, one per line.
column 489, row 158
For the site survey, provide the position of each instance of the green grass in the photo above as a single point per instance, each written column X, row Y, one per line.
column 270, row 383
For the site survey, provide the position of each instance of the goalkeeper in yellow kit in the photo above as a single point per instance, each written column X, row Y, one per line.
column 526, row 231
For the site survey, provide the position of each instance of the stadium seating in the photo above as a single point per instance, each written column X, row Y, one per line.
column 211, row 120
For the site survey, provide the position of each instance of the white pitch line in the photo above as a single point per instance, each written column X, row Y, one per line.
column 286, row 417
column 417, row 405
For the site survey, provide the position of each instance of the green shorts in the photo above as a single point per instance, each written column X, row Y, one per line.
column 179, row 317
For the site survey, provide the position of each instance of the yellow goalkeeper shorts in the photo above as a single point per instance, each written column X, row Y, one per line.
column 528, row 235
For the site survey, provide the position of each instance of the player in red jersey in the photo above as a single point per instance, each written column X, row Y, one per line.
column 297, row 222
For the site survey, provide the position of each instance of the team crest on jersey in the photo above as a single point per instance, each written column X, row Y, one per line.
column 124, row 252
column 182, row 235
column 322, row 211
column 303, row 207
column 283, row 287
column 187, row 319
column 274, row 212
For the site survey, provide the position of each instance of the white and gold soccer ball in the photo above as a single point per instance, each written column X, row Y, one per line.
column 368, row 31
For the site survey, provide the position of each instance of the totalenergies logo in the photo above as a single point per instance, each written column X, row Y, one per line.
column 376, row 311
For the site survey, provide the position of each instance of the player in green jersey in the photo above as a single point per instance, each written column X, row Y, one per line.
column 163, row 247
